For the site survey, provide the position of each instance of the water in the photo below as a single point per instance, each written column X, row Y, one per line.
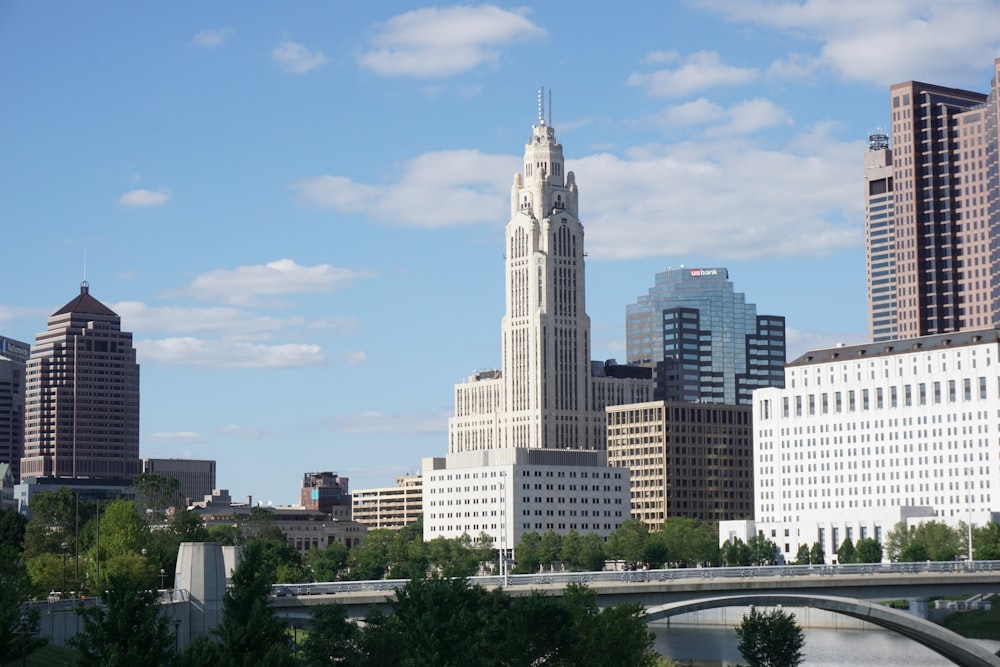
column 715, row 646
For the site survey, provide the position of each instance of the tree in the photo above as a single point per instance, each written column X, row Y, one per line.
column 762, row 550
column 691, row 541
column 869, row 550
column 611, row 636
column 155, row 494
column 126, row 629
column 897, row 540
column 250, row 632
column 735, row 553
column 592, row 554
column 816, row 554
column 771, row 639
column 628, row 541
column 327, row 564
column 54, row 521
column 802, row 555
column 526, row 553
column 550, row 547
column 986, row 542
column 12, row 527
column 846, row 552
column 332, row 638
column 15, row 589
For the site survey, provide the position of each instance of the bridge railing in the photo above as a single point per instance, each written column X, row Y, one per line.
column 638, row 576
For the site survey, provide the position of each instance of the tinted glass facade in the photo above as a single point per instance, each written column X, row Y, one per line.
column 705, row 341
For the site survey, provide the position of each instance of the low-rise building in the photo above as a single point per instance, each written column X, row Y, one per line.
column 390, row 507
column 195, row 476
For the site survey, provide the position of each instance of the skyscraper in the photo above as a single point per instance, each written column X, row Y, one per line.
column 946, row 211
column 13, row 356
column 82, row 396
column 880, row 233
column 705, row 341
column 547, row 394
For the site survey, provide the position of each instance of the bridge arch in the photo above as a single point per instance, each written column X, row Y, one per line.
column 949, row 644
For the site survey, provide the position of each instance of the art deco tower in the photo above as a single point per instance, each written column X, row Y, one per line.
column 547, row 394
column 82, row 396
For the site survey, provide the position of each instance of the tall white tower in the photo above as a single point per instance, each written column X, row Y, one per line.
column 546, row 394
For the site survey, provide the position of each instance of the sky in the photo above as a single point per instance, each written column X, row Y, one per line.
column 298, row 208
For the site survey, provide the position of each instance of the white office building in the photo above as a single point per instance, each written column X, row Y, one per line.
column 865, row 436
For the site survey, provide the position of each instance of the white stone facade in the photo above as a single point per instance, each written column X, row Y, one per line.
column 505, row 493
column 863, row 437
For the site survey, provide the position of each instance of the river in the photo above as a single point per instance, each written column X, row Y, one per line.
column 715, row 646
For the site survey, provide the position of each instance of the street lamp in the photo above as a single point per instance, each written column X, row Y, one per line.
column 64, row 548
column 163, row 573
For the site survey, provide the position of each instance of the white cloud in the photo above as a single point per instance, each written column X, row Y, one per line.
column 730, row 199
column 228, row 321
column 752, row 115
column 296, row 58
column 10, row 314
column 355, row 357
column 402, row 424
column 209, row 39
column 889, row 41
column 800, row 342
column 246, row 284
column 143, row 198
column 247, row 432
column 189, row 351
column 699, row 71
column 437, row 42
column 436, row 190
column 181, row 437
column 697, row 112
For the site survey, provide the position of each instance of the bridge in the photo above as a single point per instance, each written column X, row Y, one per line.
column 852, row 590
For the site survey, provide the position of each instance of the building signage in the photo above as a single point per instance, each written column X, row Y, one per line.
column 698, row 273
column 14, row 349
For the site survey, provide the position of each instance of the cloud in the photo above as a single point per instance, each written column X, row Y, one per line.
column 699, row 71
column 885, row 42
column 209, row 39
column 143, row 198
column 438, row 42
column 355, row 357
column 296, row 58
column 698, row 112
column 10, row 314
column 181, row 437
column 744, row 117
column 189, row 351
column 399, row 424
column 437, row 189
column 246, row 284
column 247, row 432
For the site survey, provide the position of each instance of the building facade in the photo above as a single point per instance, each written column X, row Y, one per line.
column 946, row 210
column 703, row 338
column 692, row 460
column 545, row 395
column 865, row 436
column 82, row 396
column 504, row 493
column 391, row 507
column 13, row 357
column 195, row 476
column 326, row 492
column 880, row 234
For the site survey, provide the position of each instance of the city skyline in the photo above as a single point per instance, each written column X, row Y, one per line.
column 298, row 212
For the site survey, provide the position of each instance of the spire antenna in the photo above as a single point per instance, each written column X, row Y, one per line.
column 541, row 105
column 84, row 284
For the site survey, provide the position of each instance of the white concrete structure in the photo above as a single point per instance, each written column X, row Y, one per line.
column 547, row 397
column 863, row 437
column 507, row 492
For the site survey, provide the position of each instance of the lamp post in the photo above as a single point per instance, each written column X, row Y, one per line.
column 64, row 548
column 163, row 573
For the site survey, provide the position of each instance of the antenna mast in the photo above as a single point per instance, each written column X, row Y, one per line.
column 541, row 105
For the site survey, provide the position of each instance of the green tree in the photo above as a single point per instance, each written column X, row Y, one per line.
column 846, row 553
column 550, row 547
column 527, row 553
column 592, row 554
column 816, row 554
column 657, row 550
column 155, row 494
column 691, row 541
column 226, row 534
column 762, row 550
column 802, row 555
column 53, row 521
column 250, row 632
column 12, row 527
column 943, row 542
column 611, row 636
column 986, row 542
column 327, row 564
column 770, row 639
column 15, row 589
column 126, row 629
column 332, row 638
column 869, row 550
column 628, row 541
column 572, row 548
column 735, row 553
column 897, row 540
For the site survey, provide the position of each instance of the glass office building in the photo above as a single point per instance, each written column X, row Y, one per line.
column 705, row 341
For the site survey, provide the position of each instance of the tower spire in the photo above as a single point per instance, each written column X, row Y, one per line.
column 541, row 105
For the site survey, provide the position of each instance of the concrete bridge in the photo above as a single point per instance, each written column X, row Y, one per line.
column 851, row 590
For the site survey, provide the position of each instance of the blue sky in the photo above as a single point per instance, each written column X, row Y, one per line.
column 299, row 208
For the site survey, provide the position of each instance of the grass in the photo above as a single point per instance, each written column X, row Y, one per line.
column 976, row 624
column 49, row 656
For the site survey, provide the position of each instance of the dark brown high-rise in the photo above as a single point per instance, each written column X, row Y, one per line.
column 945, row 209
column 82, row 396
